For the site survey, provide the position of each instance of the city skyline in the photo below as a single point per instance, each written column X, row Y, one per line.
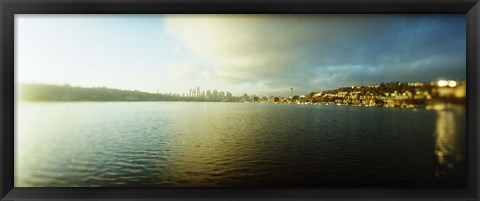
column 254, row 54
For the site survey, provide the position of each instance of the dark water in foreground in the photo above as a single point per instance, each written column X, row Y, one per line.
column 237, row 144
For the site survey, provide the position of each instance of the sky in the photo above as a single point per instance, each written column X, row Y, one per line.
column 255, row 54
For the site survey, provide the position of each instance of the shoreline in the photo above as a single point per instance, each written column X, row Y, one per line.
column 437, row 107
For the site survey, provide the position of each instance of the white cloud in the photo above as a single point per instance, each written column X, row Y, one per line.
column 177, row 50
column 186, row 71
column 242, row 48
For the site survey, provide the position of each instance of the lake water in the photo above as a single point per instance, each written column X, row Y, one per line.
column 236, row 144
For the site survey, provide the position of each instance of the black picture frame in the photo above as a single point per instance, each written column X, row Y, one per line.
column 8, row 8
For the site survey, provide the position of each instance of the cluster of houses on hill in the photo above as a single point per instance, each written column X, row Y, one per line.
column 393, row 94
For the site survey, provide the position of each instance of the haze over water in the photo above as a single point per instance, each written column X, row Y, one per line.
column 236, row 144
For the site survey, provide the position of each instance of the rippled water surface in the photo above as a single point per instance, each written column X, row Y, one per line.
column 236, row 144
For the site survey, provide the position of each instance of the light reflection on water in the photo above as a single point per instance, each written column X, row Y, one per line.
column 449, row 144
column 234, row 144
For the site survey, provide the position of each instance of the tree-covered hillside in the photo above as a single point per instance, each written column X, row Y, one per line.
column 44, row 92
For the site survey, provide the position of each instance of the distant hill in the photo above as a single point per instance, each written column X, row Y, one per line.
column 48, row 92
column 45, row 92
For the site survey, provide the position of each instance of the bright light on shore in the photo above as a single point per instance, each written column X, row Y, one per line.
column 452, row 84
column 442, row 83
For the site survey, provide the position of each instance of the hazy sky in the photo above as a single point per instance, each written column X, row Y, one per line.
column 255, row 54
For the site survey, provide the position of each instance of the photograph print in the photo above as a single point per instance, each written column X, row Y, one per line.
column 240, row 100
